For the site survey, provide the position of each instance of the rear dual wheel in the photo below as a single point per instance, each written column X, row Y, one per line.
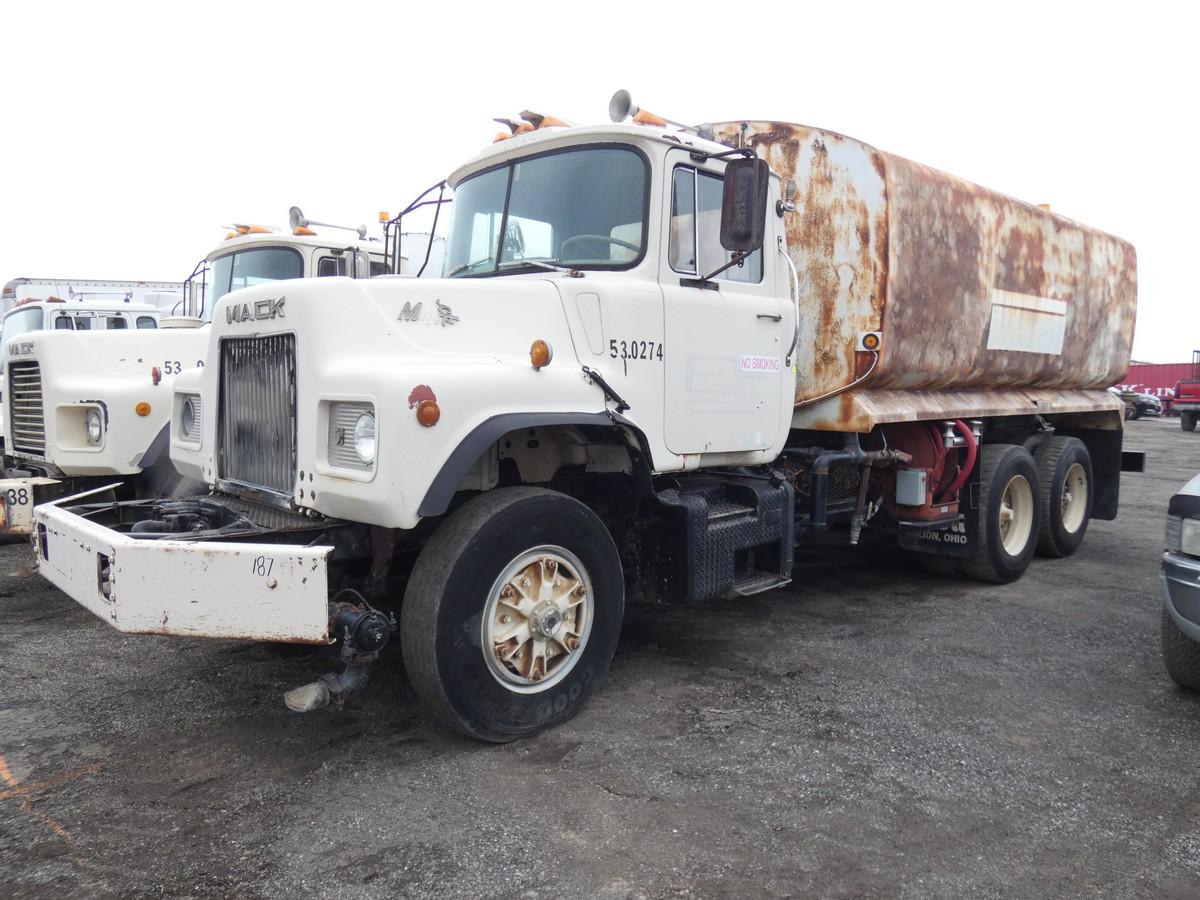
column 512, row 613
column 1008, row 515
column 1065, row 494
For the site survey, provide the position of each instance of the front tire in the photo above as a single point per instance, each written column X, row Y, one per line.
column 512, row 613
column 1008, row 516
column 1065, row 496
column 1181, row 655
column 1187, row 421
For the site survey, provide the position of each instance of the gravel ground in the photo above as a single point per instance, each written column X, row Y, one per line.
column 871, row 731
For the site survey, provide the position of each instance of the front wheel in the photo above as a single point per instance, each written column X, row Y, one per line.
column 1181, row 655
column 1187, row 421
column 512, row 613
column 1007, row 518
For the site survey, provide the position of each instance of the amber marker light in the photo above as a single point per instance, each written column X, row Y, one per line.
column 428, row 413
column 142, row 409
column 540, row 354
column 870, row 341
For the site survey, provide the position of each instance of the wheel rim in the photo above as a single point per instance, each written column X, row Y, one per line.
column 537, row 619
column 1074, row 498
column 1016, row 515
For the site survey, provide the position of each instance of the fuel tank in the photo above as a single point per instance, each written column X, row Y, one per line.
column 969, row 290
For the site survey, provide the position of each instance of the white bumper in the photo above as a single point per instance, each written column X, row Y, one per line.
column 259, row 592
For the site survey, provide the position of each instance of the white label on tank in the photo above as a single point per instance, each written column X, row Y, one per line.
column 1026, row 323
column 761, row 363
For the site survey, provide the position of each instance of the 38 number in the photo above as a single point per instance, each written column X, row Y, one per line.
column 18, row 496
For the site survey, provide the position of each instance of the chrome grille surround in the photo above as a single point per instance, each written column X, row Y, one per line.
column 341, row 452
column 256, row 441
column 26, row 414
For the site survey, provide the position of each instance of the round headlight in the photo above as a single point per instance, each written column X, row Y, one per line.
column 187, row 419
column 95, row 430
column 364, row 438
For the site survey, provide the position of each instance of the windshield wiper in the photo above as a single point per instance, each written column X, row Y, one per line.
column 466, row 266
column 542, row 263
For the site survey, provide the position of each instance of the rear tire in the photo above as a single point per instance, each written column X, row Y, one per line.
column 512, row 613
column 1187, row 421
column 1008, row 515
column 1181, row 655
column 1065, row 496
column 1136, row 414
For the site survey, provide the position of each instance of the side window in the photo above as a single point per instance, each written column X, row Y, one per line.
column 147, row 322
column 82, row 324
column 116, row 323
column 695, row 242
column 378, row 268
column 63, row 323
column 329, row 266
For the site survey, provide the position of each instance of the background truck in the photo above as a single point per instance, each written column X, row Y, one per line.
column 90, row 408
column 1187, row 396
column 661, row 360
column 34, row 312
column 160, row 294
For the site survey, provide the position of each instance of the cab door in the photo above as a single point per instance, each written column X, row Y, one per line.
column 725, row 340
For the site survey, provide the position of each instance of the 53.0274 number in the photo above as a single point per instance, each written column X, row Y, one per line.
column 651, row 350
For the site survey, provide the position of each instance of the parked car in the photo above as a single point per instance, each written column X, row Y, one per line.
column 1146, row 405
column 1180, row 584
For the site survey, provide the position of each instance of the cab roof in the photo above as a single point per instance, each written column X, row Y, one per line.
column 549, row 138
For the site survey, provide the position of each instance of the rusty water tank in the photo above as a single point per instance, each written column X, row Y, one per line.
column 971, row 290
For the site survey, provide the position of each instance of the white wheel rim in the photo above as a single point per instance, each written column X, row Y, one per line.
column 1074, row 498
column 537, row 619
column 1016, row 515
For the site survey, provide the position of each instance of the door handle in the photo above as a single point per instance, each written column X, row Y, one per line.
column 772, row 316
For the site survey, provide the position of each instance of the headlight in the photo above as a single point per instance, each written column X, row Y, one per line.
column 187, row 419
column 364, row 438
column 95, row 428
column 1189, row 537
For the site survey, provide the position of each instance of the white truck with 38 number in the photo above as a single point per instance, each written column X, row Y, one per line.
column 659, row 360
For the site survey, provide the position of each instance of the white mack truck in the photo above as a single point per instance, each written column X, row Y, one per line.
column 661, row 358
column 33, row 304
column 86, row 407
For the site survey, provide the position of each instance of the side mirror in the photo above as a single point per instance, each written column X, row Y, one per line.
column 744, row 205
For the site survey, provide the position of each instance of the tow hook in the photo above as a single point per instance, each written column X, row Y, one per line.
column 364, row 631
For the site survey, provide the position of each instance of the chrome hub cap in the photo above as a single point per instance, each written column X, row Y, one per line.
column 537, row 619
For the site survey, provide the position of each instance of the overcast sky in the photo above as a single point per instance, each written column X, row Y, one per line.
column 135, row 132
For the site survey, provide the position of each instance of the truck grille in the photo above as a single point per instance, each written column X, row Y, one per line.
column 257, row 441
column 27, row 433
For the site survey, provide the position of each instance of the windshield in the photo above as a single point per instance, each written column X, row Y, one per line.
column 246, row 267
column 584, row 208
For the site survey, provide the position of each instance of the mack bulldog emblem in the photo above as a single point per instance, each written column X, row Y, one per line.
column 256, row 311
column 447, row 317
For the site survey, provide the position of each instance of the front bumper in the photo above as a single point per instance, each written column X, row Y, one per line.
column 220, row 589
column 1179, row 581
